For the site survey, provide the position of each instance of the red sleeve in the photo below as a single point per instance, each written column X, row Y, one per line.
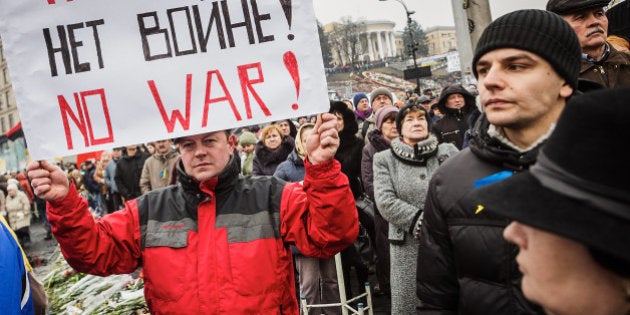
column 110, row 245
column 319, row 216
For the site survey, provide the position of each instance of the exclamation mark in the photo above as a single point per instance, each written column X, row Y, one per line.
column 291, row 63
column 286, row 6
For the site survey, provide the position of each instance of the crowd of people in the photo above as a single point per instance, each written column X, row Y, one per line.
column 505, row 197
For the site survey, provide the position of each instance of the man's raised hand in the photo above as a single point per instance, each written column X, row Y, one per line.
column 323, row 142
column 49, row 182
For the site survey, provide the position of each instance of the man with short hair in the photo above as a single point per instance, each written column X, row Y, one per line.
column 601, row 62
column 157, row 169
column 527, row 64
column 128, row 172
column 218, row 242
column 115, row 201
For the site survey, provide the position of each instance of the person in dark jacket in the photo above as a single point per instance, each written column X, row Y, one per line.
column 349, row 156
column 272, row 149
column 217, row 242
column 456, row 105
column 379, row 140
column 527, row 64
column 600, row 62
column 129, row 171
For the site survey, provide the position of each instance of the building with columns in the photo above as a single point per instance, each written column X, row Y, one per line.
column 441, row 39
column 376, row 41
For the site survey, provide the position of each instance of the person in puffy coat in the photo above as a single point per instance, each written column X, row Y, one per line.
column 217, row 242
column 464, row 264
column 19, row 213
column 456, row 105
column 272, row 149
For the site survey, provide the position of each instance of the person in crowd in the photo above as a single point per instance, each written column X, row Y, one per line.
column 110, row 180
column 92, row 187
column 349, row 156
column 129, row 171
column 619, row 26
column 601, row 62
column 571, row 211
column 99, row 178
column 19, row 213
column 317, row 277
column 272, row 149
column 225, row 247
column 401, row 180
column 247, row 141
column 25, row 186
column 527, row 65
column 150, row 148
column 157, row 169
column 288, row 128
column 16, row 297
column 379, row 98
column 379, row 140
column 362, row 107
column 456, row 105
column 348, row 103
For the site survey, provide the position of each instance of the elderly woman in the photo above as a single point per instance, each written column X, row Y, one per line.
column 571, row 211
column 272, row 149
column 401, row 180
column 379, row 140
column 19, row 212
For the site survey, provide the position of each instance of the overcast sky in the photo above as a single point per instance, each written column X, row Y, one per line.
column 428, row 12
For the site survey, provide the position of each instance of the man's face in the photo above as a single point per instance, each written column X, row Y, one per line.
column 363, row 105
column 284, row 126
column 131, row 150
column 163, row 146
column 381, row 101
column 116, row 153
column 519, row 90
column 455, row 101
column 591, row 27
column 205, row 156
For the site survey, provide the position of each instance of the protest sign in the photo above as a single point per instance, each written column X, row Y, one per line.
column 90, row 75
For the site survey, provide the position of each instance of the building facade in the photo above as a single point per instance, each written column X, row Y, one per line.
column 441, row 39
column 376, row 41
column 13, row 154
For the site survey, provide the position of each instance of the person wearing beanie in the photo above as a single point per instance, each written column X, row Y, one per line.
column 571, row 211
column 401, row 180
column 600, row 61
column 247, row 141
column 526, row 63
column 379, row 140
column 379, row 98
column 362, row 107
column 619, row 26
column 456, row 105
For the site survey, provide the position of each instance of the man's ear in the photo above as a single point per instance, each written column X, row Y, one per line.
column 232, row 143
column 566, row 90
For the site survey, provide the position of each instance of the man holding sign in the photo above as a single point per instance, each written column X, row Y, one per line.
column 215, row 242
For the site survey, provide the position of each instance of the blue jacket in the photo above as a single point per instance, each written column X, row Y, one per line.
column 16, row 295
column 291, row 170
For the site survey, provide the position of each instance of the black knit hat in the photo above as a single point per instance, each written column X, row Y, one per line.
column 543, row 33
column 406, row 110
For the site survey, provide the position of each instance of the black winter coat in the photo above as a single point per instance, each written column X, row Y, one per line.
column 464, row 264
column 128, row 172
column 452, row 127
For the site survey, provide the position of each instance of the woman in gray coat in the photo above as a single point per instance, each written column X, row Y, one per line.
column 401, row 180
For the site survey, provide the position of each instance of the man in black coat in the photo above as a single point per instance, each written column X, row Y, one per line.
column 129, row 171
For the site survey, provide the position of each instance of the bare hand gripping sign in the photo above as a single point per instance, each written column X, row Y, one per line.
column 91, row 75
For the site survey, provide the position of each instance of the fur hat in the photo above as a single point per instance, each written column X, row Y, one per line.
column 578, row 187
column 247, row 138
column 543, row 33
column 381, row 91
column 358, row 97
column 382, row 113
column 350, row 125
column 12, row 186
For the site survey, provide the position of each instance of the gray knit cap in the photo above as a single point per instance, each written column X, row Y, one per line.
column 541, row 32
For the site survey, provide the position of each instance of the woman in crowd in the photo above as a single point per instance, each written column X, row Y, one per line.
column 272, row 149
column 19, row 212
column 379, row 140
column 349, row 155
column 401, row 180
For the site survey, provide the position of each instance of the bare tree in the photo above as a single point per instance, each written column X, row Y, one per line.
column 344, row 41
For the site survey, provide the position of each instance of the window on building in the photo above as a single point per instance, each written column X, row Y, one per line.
column 5, row 75
column 7, row 96
column 4, row 125
column 10, row 120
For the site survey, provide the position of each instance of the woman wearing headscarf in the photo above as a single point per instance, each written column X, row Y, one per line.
column 19, row 212
column 379, row 140
column 401, row 181
column 272, row 149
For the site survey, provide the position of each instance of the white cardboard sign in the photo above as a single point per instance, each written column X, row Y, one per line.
column 90, row 75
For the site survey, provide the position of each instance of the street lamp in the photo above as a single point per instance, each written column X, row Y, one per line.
column 412, row 46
